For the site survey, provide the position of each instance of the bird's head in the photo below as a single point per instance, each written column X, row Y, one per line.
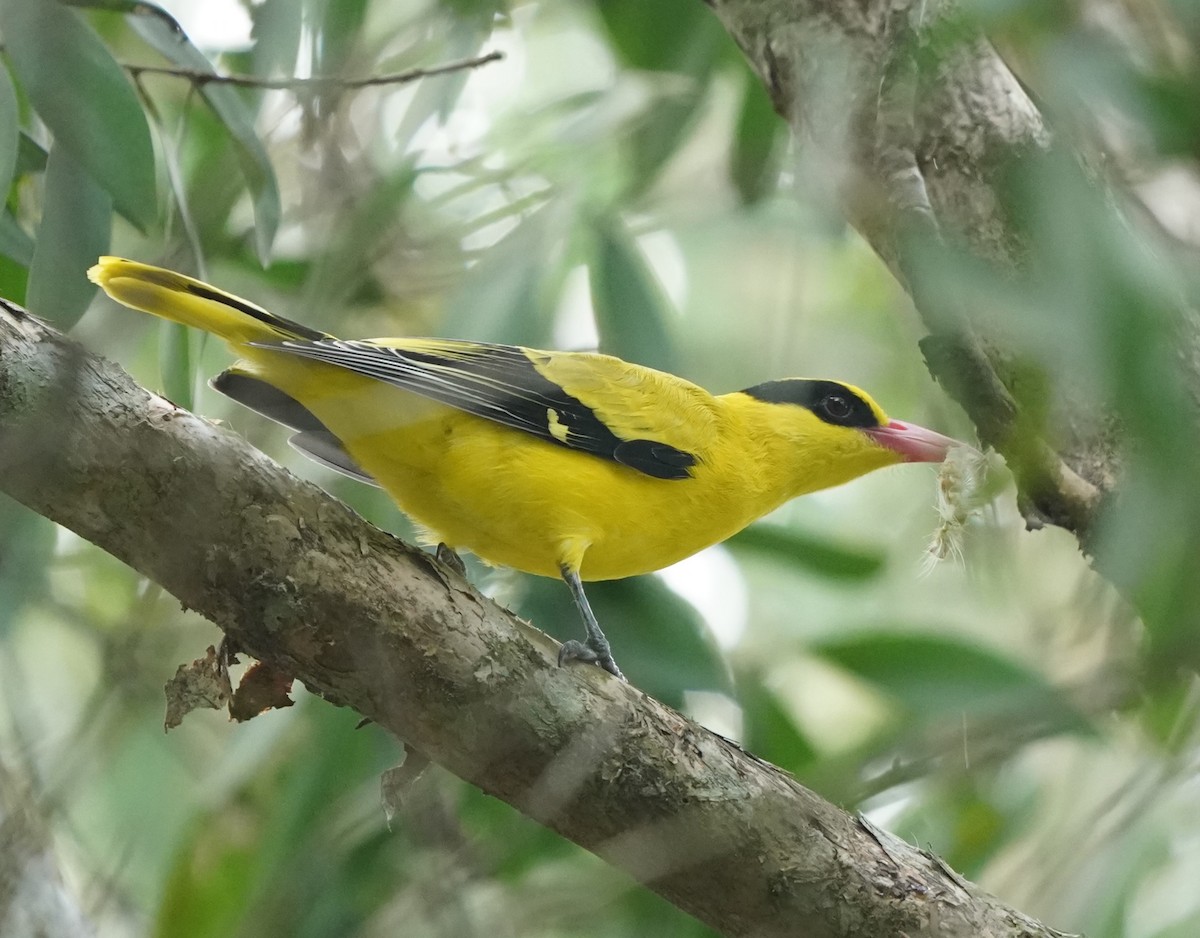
column 841, row 432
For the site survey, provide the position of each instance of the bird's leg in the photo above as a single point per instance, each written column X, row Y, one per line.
column 595, row 648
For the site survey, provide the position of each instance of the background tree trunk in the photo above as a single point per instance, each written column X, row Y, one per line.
column 920, row 126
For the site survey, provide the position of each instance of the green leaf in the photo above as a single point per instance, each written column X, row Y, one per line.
column 80, row 92
column 667, row 35
column 790, row 545
column 136, row 7
column 14, row 278
column 937, row 677
column 758, row 144
column 14, row 242
column 482, row 12
column 277, row 33
column 527, row 846
column 26, row 553
column 970, row 816
column 770, row 731
column 1169, row 714
column 632, row 311
column 659, row 639
column 74, row 231
column 10, row 132
column 338, row 32
column 235, row 116
column 31, row 155
column 213, row 184
column 676, row 36
column 209, row 898
column 175, row 363
column 1183, row 928
column 659, row 135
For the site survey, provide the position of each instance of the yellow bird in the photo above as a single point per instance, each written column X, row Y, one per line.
column 562, row 464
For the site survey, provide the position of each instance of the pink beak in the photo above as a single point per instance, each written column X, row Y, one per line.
column 915, row 444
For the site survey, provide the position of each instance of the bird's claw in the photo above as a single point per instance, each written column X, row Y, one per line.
column 600, row 656
column 447, row 555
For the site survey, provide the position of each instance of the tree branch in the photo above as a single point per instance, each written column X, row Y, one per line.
column 296, row 579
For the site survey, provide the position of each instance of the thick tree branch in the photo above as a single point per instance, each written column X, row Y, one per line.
column 299, row 581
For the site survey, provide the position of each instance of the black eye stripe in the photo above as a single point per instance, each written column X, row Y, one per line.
column 831, row 401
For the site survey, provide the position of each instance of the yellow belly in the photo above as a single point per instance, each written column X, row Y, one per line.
column 521, row 502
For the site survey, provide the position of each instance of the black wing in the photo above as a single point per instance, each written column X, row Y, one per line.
column 500, row 383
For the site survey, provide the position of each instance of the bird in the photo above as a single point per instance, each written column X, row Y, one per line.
column 566, row 464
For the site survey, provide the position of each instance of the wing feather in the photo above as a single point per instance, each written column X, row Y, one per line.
column 313, row 438
column 517, row 387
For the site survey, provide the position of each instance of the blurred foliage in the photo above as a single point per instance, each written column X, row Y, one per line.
column 619, row 180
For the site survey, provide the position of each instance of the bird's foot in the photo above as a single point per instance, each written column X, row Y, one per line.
column 598, row 654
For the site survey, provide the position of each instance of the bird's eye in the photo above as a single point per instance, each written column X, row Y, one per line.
column 836, row 406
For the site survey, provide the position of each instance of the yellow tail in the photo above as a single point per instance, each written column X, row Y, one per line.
column 181, row 299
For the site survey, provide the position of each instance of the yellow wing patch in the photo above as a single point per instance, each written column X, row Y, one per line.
column 558, row 429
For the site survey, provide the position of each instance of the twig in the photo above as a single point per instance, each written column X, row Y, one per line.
column 320, row 82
